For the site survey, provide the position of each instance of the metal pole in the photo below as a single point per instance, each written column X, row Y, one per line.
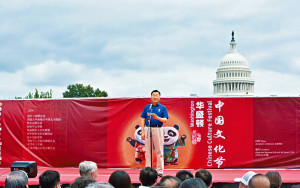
column 151, row 144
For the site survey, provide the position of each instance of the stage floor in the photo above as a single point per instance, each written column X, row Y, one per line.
column 68, row 175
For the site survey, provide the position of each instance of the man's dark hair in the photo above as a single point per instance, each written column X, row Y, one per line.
column 16, row 179
column 155, row 91
column 148, row 176
column 49, row 179
column 275, row 179
column 82, row 182
column 205, row 175
column 184, row 174
column 254, row 178
column 174, row 180
column 193, row 183
column 120, row 179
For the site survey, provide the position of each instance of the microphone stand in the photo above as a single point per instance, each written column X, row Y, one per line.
column 150, row 129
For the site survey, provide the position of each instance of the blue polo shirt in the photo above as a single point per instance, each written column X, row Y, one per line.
column 160, row 110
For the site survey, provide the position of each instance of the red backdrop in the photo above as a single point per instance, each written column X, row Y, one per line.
column 220, row 132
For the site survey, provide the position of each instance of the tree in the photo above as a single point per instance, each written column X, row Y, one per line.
column 79, row 90
column 47, row 94
column 37, row 95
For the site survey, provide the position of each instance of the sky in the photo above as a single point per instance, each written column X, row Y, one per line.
column 130, row 47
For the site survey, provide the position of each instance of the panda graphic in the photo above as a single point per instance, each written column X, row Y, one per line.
column 138, row 144
column 171, row 142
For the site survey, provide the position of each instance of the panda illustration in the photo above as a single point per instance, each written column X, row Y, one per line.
column 171, row 142
column 139, row 145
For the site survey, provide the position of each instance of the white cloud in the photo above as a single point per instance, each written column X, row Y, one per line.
column 58, row 73
column 275, row 83
column 11, row 85
column 176, row 81
column 295, row 65
column 257, row 58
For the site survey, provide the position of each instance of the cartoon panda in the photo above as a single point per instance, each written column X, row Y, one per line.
column 139, row 145
column 171, row 142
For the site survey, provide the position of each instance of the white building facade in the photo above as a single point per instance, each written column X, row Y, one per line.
column 233, row 77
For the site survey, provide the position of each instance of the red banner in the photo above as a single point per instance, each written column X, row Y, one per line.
column 200, row 132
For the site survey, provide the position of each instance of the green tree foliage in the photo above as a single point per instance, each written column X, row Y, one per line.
column 79, row 90
column 37, row 95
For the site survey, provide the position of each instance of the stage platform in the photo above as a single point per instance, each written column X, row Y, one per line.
column 68, row 175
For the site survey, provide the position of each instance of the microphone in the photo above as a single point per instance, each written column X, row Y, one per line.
column 150, row 106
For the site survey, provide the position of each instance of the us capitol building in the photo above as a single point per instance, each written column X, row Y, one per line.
column 233, row 75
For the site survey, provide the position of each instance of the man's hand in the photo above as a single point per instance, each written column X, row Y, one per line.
column 164, row 120
column 154, row 116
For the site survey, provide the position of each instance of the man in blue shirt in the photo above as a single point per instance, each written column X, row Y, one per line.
column 152, row 119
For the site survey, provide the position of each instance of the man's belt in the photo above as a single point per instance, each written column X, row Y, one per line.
column 155, row 126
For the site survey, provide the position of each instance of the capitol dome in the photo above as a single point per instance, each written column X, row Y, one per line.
column 233, row 59
column 233, row 75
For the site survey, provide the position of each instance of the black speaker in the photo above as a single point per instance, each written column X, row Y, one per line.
column 29, row 167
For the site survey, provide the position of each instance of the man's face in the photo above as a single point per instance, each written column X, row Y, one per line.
column 155, row 97
column 94, row 174
column 58, row 185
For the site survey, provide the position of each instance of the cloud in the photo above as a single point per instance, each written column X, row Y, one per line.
column 180, row 80
column 99, row 33
column 295, row 65
column 45, row 76
column 51, row 72
column 275, row 83
column 175, row 81
column 11, row 85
